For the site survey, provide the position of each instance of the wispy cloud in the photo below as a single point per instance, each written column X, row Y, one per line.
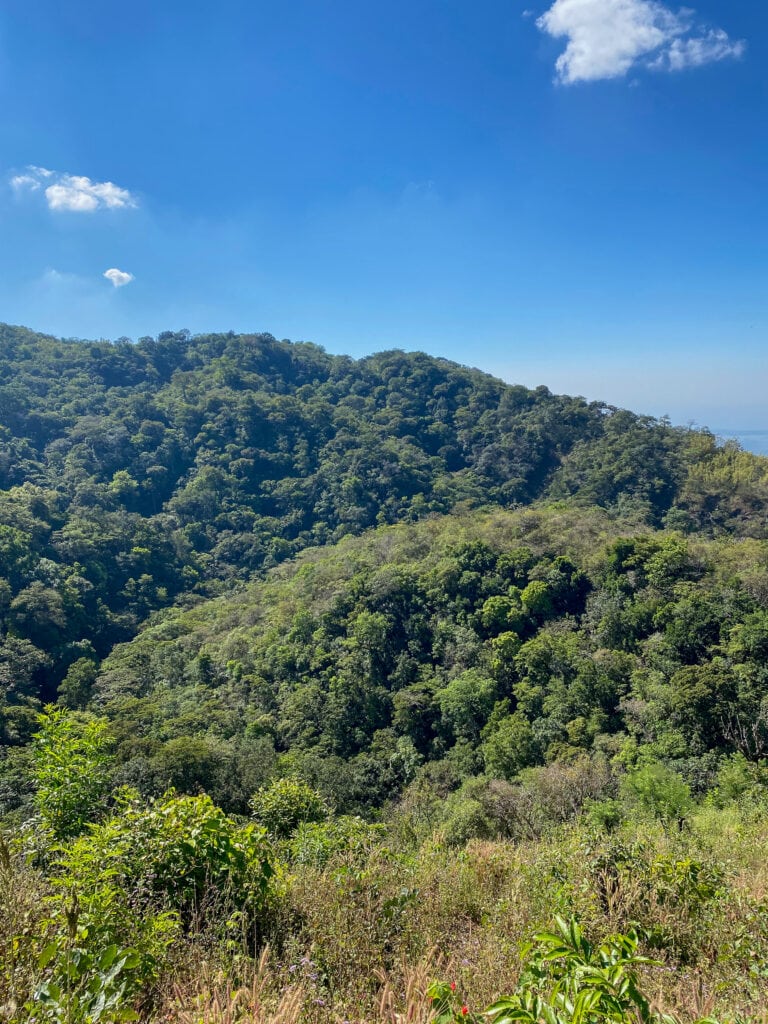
column 607, row 38
column 53, row 278
column 73, row 192
column 692, row 52
column 32, row 179
column 119, row 278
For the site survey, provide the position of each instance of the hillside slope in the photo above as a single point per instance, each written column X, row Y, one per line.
column 488, row 642
column 137, row 476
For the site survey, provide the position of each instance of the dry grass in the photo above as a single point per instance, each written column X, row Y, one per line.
column 211, row 998
column 22, row 916
column 350, row 958
column 360, row 941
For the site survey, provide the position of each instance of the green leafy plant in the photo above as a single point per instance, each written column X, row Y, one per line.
column 570, row 981
column 85, row 987
column 71, row 763
column 286, row 804
column 658, row 791
column 142, row 879
column 176, row 853
column 82, row 985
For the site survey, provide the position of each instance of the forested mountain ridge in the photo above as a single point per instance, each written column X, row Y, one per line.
column 462, row 646
column 133, row 476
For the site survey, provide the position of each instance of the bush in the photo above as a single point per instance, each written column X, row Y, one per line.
column 659, row 791
column 152, row 872
column 316, row 842
column 180, row 852
column 71, row 765
column 466, row 820
column 286, row 804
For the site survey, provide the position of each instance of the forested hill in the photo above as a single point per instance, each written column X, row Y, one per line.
column 418, row 657
column 134, row 476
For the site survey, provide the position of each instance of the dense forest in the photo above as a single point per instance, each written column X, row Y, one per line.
column 276, row 623
column 136, row 476
column 431, row 653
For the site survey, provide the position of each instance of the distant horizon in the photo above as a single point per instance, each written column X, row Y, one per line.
column 752, row 438
column 754, row 441
column 569, row 193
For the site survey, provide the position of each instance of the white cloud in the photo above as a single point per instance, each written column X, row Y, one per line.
column 118, row 277
column 606, row 38
column 25, row 181
column 697, row 50
column 73, row 192
column 32, row 180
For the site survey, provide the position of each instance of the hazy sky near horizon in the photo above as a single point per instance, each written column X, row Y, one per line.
column 567, row 192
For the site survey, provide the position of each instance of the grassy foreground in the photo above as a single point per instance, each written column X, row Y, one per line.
column 342, row 921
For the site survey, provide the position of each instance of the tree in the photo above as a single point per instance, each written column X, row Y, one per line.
column 71, row 768
column 466, row 702
column 537, row 599
column 511, row 748
column 77, row 686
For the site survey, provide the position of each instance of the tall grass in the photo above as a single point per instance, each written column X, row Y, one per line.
column 360, row 938
column 22, row 927
column 359, row 941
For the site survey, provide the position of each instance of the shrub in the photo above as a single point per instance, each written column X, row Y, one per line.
column 570, row 981
column 152, row 872
column 659, row 791
column 71, row 765
column 466, row 820
column 286, row 804
column 179, row 852
column 316, row 842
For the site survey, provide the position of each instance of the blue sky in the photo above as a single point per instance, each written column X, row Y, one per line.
column 572, row 193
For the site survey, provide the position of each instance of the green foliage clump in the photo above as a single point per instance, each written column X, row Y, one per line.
column 180, row 854
column 570, row 981
column 135, row 883
column 315, row 843
column 81, row 987
column 286, row 804
column 71, row 770
column 659, row 791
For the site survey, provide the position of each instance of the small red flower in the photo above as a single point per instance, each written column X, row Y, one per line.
column 464, row 1010
column 453, row 986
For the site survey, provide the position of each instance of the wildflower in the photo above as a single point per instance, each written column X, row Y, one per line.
column 453, row 986
column 464, row 1010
